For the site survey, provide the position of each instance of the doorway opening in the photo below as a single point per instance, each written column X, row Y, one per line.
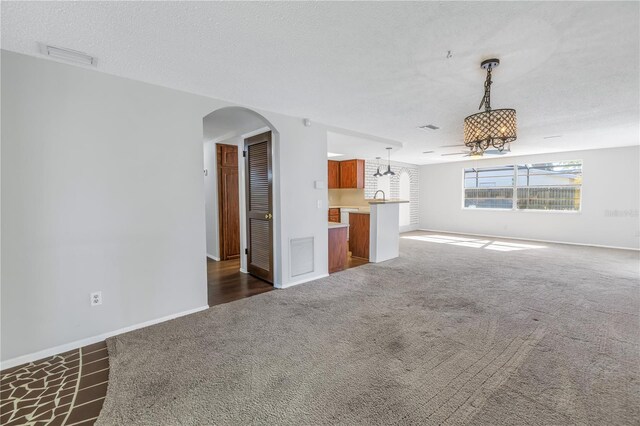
column 240, row 208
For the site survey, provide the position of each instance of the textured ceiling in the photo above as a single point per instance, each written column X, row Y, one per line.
column 569, row 68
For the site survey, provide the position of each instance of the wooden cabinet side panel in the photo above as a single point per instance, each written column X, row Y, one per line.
column 337, row 249
column 359, row 178
column 359, row 235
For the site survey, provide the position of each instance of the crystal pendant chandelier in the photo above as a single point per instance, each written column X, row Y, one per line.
column 496, row 127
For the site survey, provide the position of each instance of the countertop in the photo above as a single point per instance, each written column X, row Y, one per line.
column 333, row 225
column 390, row 201
column 348, row 207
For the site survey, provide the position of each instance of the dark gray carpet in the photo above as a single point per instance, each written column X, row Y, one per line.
column 445, row 334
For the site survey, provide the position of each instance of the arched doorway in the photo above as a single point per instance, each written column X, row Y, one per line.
column 240, row 174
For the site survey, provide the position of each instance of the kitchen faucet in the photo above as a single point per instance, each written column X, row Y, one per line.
column 376, row 194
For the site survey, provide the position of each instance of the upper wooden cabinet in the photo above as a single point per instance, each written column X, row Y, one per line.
column 352, row 174
column 334, row 174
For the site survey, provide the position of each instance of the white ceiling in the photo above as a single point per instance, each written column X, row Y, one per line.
column 569, row 68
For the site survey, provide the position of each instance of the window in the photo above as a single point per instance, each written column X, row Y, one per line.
column 489, row 188
column 543, row 186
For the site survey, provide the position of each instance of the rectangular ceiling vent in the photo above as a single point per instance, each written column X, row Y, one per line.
column 67, row 55
column 429, row 127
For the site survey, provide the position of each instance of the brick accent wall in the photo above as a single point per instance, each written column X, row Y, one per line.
column 371, row 184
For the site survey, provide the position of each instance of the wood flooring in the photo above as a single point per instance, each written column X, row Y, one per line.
column 226, row 283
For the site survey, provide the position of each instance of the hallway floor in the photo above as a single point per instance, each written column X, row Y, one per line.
column 226, row 283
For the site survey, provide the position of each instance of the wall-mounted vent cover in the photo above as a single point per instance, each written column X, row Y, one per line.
column 67, row 55
column 429, row 127
column 301, row 256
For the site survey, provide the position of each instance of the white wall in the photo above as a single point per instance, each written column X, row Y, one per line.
column 610, row 201
column 102, row 189
column 210, row 200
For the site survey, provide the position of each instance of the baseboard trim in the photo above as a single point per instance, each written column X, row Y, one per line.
column 217, row 259
column 409, row 228
column 530, row 239
column 23, row 359
column 306, row 280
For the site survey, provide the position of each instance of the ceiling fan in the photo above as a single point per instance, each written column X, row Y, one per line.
column 466, row 153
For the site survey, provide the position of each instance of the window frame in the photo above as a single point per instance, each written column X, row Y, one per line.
column 515, row 190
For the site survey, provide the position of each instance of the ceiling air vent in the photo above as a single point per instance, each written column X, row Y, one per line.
column 67, row 55
column 429, row 127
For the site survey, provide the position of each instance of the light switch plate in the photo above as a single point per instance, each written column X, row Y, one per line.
column 319, row 184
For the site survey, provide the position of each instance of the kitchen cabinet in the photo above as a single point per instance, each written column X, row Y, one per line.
column 337, row 248
column 359, row 230
column 334, row 215
column 334, row 174
column 352, row 174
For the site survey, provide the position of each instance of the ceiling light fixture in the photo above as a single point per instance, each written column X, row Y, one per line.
column 389, row 172
column 67, row 55
column 429, row 126
column 377, row 173
column 496, row 127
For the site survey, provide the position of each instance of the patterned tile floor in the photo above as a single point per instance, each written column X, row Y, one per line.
column 69, row 388
column 65, row 389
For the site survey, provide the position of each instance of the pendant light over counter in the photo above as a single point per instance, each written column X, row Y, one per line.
column 377, row 173
column 389, row 172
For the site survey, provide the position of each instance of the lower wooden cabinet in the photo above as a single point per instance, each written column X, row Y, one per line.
column 334, row 215
column 337, row 249
column 359, row 225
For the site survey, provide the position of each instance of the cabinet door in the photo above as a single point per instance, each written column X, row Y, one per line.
column 352, row 174
column 334, row 215
column 334, row 174
column 359, row 225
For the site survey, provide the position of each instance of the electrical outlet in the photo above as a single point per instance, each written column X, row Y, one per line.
column 96, row 298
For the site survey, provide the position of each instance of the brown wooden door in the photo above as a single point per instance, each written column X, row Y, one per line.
column 228, row 201
column 334, row 174
column 352, row 174
column 259, row 177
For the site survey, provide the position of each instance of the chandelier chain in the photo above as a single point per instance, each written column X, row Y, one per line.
column 486, row 99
